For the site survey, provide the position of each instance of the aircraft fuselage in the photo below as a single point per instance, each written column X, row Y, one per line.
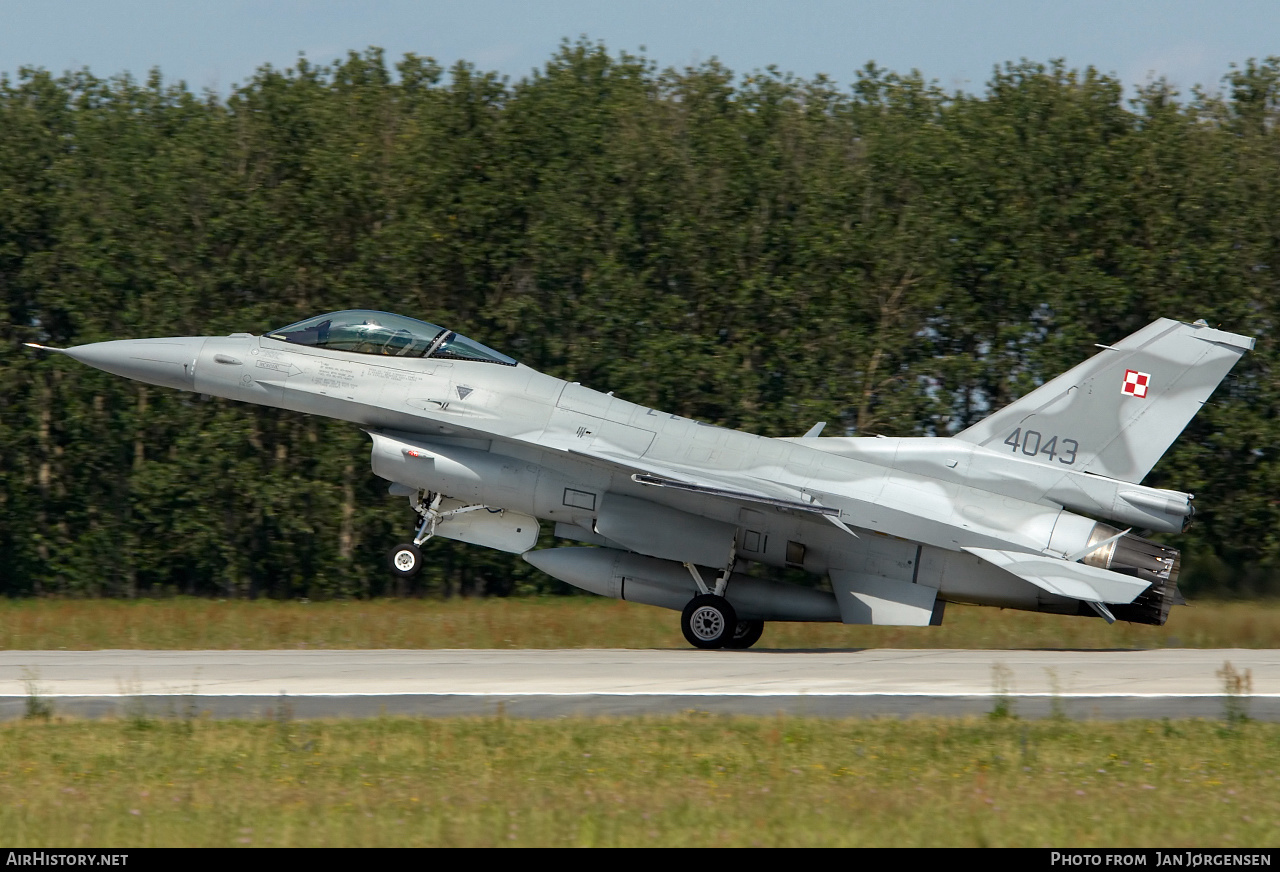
column 486, row 448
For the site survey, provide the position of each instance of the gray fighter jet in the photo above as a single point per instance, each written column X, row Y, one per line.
column 1003, row 514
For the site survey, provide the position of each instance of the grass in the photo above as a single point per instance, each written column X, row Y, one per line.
column 672, row 781
column 571, row 622
column 685, row 780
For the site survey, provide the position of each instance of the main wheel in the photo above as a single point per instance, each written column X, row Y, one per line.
column 708, row 621
column 745, row 634
column 405, row 560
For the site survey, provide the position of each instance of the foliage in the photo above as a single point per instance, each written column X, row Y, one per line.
column 758, row 251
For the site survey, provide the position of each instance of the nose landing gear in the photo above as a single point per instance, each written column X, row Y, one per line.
column 405, row 560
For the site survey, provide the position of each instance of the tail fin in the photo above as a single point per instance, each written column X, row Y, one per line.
column 1118, row 412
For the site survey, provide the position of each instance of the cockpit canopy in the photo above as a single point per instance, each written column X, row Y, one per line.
column 367, row 332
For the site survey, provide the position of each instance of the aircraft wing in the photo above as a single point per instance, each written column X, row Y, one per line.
column 741, row 488
column 1065, row 578
column 700, row 481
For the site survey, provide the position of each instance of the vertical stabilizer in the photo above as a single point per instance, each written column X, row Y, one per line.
column 1118, row 412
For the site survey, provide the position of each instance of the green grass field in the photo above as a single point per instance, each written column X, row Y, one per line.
column 687, row 780
column 572, row 622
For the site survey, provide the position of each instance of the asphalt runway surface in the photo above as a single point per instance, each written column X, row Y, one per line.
column 1172, row 683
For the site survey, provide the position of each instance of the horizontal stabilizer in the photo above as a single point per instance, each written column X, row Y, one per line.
column 1064, row 578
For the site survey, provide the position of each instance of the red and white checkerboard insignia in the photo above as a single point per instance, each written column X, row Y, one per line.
column 1135, row 383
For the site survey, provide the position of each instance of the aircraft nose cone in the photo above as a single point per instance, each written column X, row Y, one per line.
column 167, row 362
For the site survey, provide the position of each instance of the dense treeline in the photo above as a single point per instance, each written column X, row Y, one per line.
column 759, row 251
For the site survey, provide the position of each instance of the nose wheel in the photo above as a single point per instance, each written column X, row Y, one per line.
column 708, row 621
column 405, row 560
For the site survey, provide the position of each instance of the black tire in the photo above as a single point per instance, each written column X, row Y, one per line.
column 708, row 621
column 405, row 560
column 745, row 634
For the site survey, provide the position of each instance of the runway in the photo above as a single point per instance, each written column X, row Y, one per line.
column 1171, row 683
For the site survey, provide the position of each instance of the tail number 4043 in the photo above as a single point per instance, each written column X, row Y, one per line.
column 1032, row 442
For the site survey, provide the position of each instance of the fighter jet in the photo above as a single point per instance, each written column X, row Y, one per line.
column 670, row 511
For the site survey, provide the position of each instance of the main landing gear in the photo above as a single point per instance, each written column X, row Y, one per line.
column 709, row 620
column 745, row 634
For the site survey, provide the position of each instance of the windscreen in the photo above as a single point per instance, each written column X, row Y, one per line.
column 364, row 332
column 460, row 347
column 368, row 332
